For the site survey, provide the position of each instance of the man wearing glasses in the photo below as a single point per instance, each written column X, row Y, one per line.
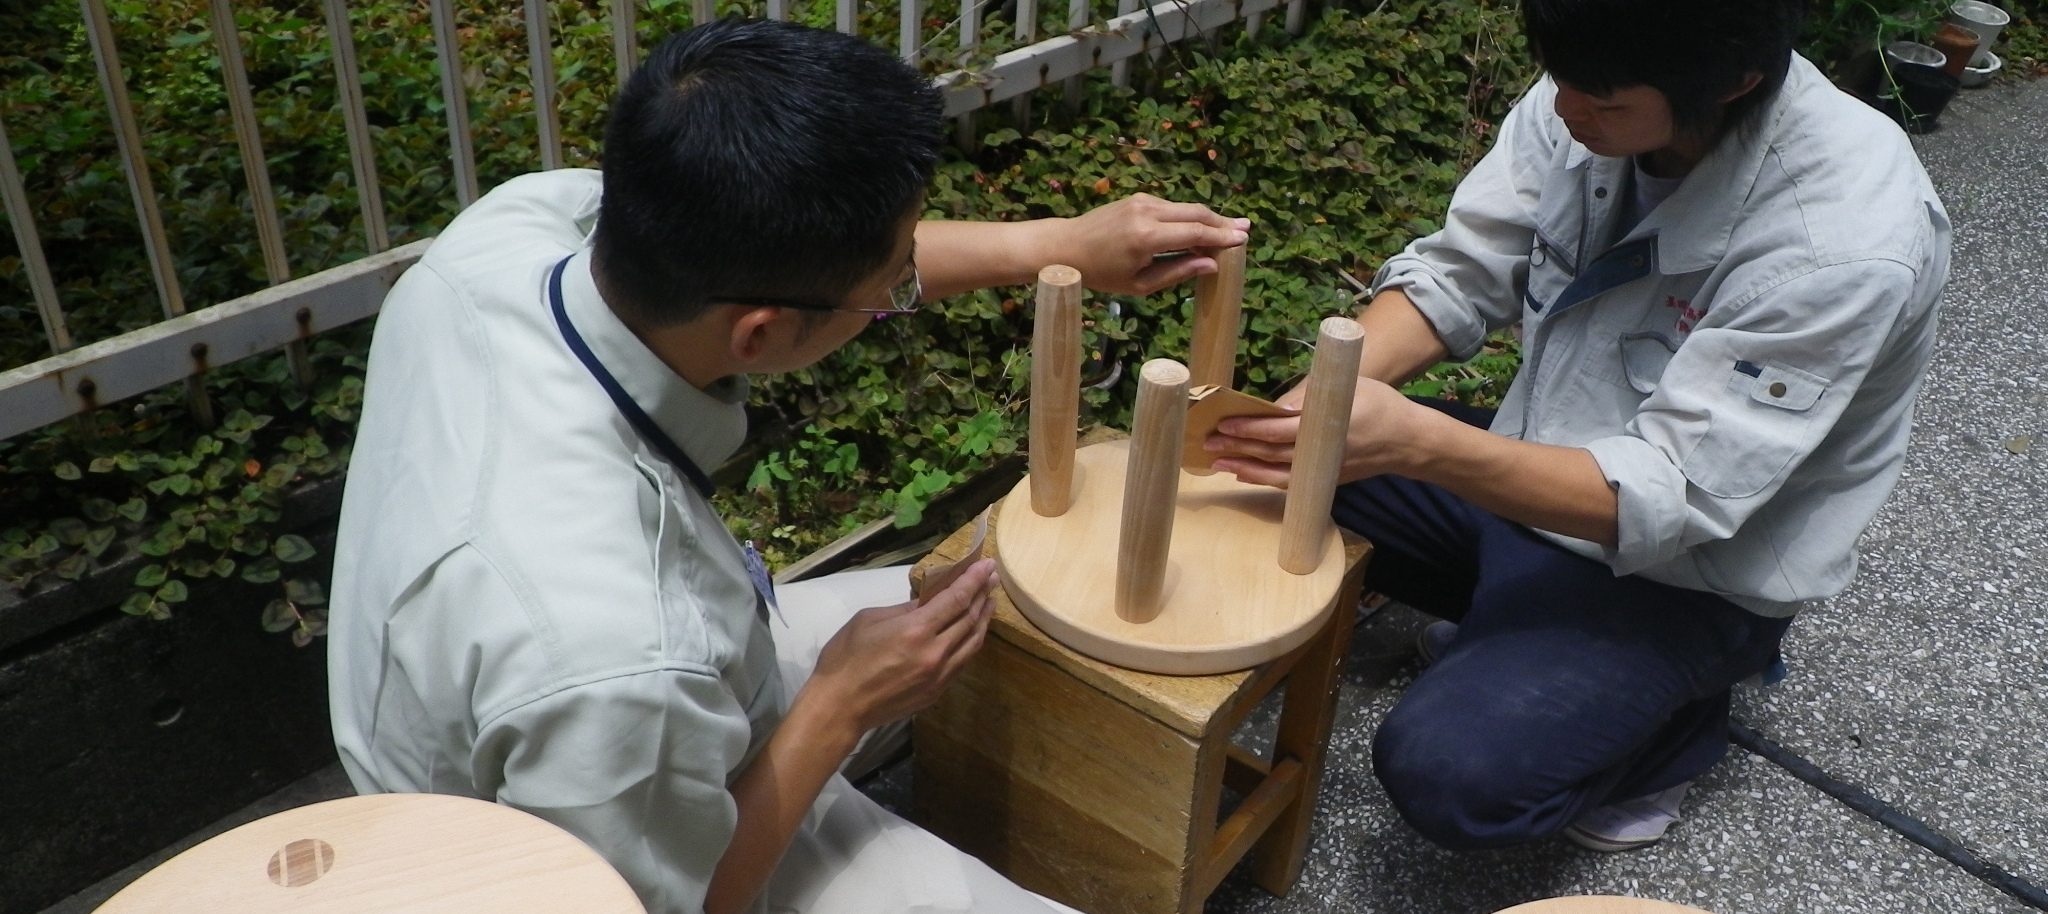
column 535, row 602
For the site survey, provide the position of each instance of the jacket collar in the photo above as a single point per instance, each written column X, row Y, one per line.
column 709, row 425
column 1694, row 225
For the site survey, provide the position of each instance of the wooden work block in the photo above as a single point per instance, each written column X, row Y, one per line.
column 1100, row 786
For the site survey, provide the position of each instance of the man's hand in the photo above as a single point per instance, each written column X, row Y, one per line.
column 884, row 665
column 1560, row 489
column 1261, row 451
column 1114, row 245
column 890, row 662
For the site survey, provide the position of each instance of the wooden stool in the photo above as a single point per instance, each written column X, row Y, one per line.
column 1100, row 786
column 1601, row 904
column 385, row 853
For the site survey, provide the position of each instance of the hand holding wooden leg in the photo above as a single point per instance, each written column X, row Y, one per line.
column 1319, row 451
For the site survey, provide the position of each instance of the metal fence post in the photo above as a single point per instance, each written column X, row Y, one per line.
column 107, row 58
column 1027, row 32
column 456, row 98
column 970, row 39
column 907, row 28
column 1120, row 72
column 540, row 64
column 1077, row 19
column 227, row 38
column 625, row 46
column 40, row 282
column 362, row 157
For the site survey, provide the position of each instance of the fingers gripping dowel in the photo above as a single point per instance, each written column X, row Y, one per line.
column 1055, row 389
column 1319, row 448
column 1151, row 489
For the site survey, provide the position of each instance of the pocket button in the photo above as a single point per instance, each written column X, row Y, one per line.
column 1777, row 388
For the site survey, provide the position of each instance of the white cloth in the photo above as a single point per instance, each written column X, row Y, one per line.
column 532, row 606
column 1742, row 363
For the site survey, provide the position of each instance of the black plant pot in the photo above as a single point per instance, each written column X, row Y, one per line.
column 1918, row 95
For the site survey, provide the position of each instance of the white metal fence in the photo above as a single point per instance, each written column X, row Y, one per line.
column 186, row 343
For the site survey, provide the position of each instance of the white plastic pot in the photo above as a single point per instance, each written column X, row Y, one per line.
column 1982, row 67
column 1980, row 17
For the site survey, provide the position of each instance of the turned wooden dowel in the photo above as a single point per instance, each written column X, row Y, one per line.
column 1151, row 486
column 1319, row 448
column 1219, row 301
column 1055, row 389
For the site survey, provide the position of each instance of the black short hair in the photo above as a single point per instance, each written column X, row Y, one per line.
column 1693, row 51
column 754, row 158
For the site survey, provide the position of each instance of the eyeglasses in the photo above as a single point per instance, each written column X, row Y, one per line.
column 903, row 299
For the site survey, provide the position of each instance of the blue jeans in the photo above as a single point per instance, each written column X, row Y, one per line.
column 1566, row 688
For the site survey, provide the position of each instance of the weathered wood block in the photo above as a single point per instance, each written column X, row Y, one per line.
column 1100, row 786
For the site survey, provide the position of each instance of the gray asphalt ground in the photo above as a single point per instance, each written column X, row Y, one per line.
column 1926, row 683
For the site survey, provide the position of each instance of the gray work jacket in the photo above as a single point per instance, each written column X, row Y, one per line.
column 1742, row 363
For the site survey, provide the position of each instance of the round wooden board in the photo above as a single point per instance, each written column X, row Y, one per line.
column 385, row 853
column 1228, row 605
column 1601, row 904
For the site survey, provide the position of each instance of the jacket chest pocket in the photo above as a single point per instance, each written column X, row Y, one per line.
column 1757, row 427
column 1644, row 356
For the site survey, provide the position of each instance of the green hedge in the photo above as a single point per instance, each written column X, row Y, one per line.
column 1341, row 145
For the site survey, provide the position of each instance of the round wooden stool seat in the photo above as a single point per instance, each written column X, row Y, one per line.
column 1227, row 605
column 385, row 853
column 1601, row 904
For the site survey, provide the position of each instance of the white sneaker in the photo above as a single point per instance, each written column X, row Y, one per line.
column 1629, row 824
column 1434, row 639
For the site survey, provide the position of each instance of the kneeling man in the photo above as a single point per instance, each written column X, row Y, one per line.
column 1727, row 274
column 535, row 602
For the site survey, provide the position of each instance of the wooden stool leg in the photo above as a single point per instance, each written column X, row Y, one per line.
column 1055, row 389
column 1306, row 716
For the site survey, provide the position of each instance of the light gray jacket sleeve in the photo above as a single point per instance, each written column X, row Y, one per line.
column 634, row 765
column 1753, row 391
column 1467, row 278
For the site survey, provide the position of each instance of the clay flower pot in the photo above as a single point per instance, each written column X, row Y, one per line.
column 1983, row 18
column 1958, row 45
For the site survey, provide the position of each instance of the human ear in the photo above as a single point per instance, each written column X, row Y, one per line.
column 753, row 333
column 1749, row 84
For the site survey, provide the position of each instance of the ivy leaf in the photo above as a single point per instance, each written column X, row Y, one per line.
column 151, row 576
column 68, row 471
column 101, row 465
column 73, row 568
column 68, row 530
column 292, row 547
column 223, row 567
column 134, row 509
column 262, row 571
column 173, row 591
column 279, row 615
column 305, row 592
column 97, row 510
column 137, row 604
column 97, row 541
